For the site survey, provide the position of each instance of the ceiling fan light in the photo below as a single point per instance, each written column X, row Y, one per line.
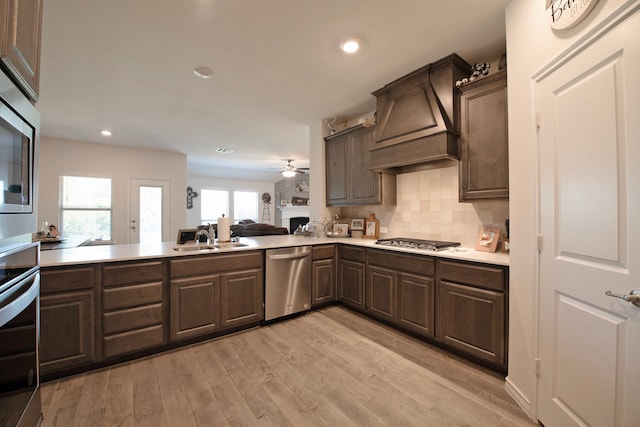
column 288, row 173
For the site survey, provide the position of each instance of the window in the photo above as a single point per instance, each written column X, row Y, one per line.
column 85, row 207
column 245, row 205
column 213, row 204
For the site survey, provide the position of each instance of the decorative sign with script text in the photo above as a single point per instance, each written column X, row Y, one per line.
column 564, row 14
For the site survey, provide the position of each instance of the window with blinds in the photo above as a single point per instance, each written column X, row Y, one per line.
column 85, row 207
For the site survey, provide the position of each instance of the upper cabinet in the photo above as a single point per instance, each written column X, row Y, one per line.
column 417, row 117
column 20, row 27
column 349, row 180
column 484, row 151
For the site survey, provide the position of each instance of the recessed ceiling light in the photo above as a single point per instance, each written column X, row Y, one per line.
column 350, row 46
column 203, row 72
column 105, row 132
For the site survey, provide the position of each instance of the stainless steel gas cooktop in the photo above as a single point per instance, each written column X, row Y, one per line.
column 428, row 245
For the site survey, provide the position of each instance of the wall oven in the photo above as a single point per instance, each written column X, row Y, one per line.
column 19, row 337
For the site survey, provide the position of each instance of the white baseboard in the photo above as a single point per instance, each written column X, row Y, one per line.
column 520, row 399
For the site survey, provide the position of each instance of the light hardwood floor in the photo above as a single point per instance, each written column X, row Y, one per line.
column 330, row 367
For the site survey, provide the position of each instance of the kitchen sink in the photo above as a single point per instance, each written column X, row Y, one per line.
column 208, row 247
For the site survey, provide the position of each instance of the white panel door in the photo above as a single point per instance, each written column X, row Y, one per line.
column 589, row 194
column 150, row 217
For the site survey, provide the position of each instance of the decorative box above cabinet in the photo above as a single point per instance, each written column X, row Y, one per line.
column 20, row 34
column 484, row 143
column 349, row 180
column 417, row 116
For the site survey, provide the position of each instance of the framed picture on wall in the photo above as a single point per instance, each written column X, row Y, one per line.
column 488, row 239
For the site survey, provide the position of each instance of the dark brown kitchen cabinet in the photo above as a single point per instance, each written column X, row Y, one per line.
column 323, row 275
column 351, row 276
column 472, row 310
column 349, row 180
column 241, row 298
column 20, row 33
column 67, row 318
column 484, row 140
column 400, row 289
column 133, row 307
column 381, row 293
column 210, row 293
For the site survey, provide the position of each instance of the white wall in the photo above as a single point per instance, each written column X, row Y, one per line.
column 531, row 44
column 61, row 157
column 210, row 183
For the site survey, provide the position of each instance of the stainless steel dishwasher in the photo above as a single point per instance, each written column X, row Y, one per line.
column 287, row 282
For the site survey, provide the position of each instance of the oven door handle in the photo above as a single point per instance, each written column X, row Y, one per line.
column 14, row 300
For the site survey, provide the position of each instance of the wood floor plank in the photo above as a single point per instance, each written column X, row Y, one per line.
column 330, row 367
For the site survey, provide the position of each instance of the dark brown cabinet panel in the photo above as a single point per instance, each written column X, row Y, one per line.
column 20, row 31
column 241, row 298
column 67, row 330
column 472, row 310
column 381, row 293
column 349, row 180
column 351, row 283
column 323, row 282
column 416, row 303
column 195, row 306
column 68, row 310
column 484, row 140
column 134, row 309
column 323, row 275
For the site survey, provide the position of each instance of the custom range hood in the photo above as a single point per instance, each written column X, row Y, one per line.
column 418, row 118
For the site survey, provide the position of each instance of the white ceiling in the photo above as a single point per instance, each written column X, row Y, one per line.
column 126, row 65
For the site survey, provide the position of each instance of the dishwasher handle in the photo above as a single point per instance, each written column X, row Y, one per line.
column 289, row 256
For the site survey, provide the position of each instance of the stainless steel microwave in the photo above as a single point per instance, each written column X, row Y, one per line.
column 19, row 138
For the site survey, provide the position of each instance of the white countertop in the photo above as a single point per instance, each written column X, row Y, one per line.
column 112, row 253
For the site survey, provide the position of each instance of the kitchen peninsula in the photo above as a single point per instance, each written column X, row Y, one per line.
column 102, row 305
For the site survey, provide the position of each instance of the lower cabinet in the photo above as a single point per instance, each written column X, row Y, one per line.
column 195, row 306
column 323, row 276
column 381, row 293
column 133, row 307
column 67, row 318
column 210, row 293
column 472, row 310
column 351, row 276
column 416, row 303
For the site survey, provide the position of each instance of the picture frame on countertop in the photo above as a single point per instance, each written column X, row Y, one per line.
column 357, row 224
column 371, row 227
column 340, row 229
column 488, row 239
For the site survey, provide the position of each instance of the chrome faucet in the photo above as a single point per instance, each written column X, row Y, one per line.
column 210, row 233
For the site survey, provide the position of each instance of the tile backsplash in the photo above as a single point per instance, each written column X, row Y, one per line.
column 428, row 208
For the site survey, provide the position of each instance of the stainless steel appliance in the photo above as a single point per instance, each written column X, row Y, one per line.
column 19, row 137
column 287, row 281
column 19, row 335
column 428, row 245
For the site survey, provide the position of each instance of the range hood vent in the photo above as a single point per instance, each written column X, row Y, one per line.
column 418, row 117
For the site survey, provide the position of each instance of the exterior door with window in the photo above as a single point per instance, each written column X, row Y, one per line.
column 150, row 217
column 589, row 171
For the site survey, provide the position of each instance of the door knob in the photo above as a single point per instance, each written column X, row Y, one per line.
column 633, row 297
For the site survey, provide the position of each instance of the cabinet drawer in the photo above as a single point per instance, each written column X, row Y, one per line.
column 122, row 274
column 67, row 279
column 351, row 253
column 132, row 318
column 139, row 339
column 479, row 275
column 209, row 264
column 412, row 264
column 323, row 252
column 130, row 296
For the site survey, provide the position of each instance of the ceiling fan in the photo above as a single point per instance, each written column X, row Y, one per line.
column 289, row 170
